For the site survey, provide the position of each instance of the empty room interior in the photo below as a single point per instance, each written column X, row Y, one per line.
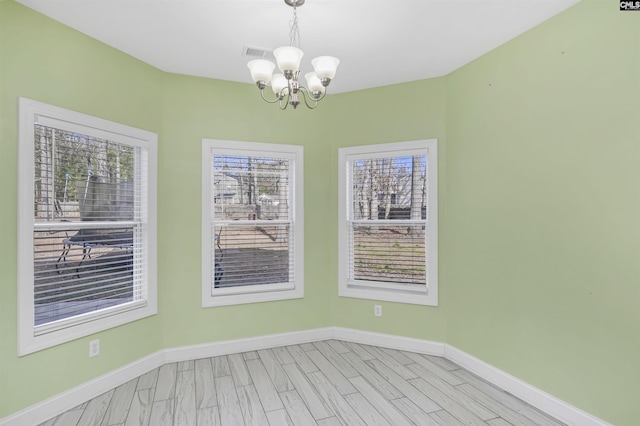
column 239, row 227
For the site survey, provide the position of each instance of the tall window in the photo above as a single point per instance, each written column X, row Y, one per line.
column 252, row 222
column 388, row 233
column 86, row 225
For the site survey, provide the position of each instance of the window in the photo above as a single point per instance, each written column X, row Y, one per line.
column 388, row 230
column 86, row 225
column 252, row 220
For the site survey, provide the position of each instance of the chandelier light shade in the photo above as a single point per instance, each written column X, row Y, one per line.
column 288, row 58
column 261, row 70
column 286, row 86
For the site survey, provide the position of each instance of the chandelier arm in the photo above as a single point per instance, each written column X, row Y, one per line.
column 305, row 92
column 267, row 100
column 284, row 105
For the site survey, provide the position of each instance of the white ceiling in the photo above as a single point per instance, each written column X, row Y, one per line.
column 378, row 42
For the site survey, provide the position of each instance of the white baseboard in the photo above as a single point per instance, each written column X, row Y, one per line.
column 226, row 347
column 548, row 403
column 389, row 341
column 75, row 396
column 65, row 401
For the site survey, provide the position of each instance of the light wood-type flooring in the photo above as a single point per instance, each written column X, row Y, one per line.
column 328, row 383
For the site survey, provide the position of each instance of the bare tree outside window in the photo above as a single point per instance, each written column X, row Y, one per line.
column 388, row 211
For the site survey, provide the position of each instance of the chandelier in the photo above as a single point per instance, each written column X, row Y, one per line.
column 285, row 86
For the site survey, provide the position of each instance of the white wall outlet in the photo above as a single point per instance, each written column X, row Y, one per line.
column 94, row 348
column 377, row 310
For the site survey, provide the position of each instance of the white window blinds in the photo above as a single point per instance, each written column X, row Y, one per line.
column 86, row 225
column 388, row 233
column 89, row 226
column 388, row 219
column 253, row 241
column 252, row 222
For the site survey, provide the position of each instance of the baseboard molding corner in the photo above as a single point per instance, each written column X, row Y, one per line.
column 544, row 401
column 389, row 341
column 77, row 395
column 226, row 347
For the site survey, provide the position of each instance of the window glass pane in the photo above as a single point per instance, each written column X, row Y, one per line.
column 393, row 254
column 80, row 178
column 252, row 255
column 80, row 271
column 246, row 187
column 389, row 188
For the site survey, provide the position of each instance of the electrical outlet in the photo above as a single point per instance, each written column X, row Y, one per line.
column 94, row 348
column 377, row 310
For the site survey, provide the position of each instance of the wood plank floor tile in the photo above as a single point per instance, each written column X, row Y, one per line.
column 264, row 386
column 457, row 410
column 229, row 406
column 338, row 346
column 166, row 386
column 316, row 405
column 453, row 393
column 366, row 411
column 239, row 370
column 499, row 422
column 139, row 413
column 420, row 399
column 386, row 408
column 296, row 408
column 337, row 360
column 381, row 385
column 507, row 399
column 185, row 365
column 120, row 403
column 250, row 355
column 220, row 366
column 331, row 372
column 207, row 416
column 283, row 356
column 506, row 413
column 252, row 410
column 330, row 421
column 275, row 371
column 329, row 383
column 399, row 356
column 162, row 413
column 335, row 400
column 435, row 369
column 308, row 346
column 445, row 419
column 413, row 412
column 279, row 418
column 360, row 350
column 391, row 363
column 95, row 410
column 205, row 388
column 148, row 380
column 70, row 418
column 185, row 409
column 302, row 359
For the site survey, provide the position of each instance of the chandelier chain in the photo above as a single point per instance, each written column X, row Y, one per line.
column 294, row 30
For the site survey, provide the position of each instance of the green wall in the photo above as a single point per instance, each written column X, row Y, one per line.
column 539, row 195
column 402, row 112
column 43, row 60
column 46, row 61
column 543, row 184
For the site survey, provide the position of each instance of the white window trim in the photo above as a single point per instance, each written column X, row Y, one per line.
column 388, row 292
column 265, row 292
column 82, row 325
